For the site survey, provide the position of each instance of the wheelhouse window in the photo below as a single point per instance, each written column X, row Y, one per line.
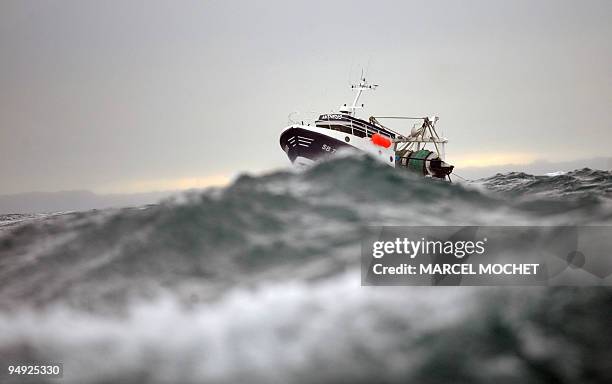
column 359, row 132
column 354, row 127
column 341, row 128
column 336, row 127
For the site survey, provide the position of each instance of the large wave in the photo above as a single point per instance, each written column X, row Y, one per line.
column 583, row 183
column 259, row 282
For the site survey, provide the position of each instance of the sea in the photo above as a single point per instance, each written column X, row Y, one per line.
column 259, row 282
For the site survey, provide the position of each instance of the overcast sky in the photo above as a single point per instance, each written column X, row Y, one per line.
column 122, row 96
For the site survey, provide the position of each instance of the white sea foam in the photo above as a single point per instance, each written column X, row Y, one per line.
column 280, row 332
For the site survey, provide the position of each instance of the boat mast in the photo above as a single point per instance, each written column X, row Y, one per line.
column 362, row 86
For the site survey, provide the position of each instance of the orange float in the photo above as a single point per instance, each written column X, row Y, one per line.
column 380, row 140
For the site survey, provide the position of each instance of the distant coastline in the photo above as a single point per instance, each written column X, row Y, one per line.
column 48, row 202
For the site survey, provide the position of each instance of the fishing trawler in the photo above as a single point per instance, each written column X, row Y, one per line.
column 421, row 151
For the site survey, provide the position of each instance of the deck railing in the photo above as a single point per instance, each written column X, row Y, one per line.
column 355, row 129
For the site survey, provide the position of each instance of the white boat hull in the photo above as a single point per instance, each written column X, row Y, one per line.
column 305, row 144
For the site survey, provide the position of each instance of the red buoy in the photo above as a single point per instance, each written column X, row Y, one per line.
column 380, row 140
